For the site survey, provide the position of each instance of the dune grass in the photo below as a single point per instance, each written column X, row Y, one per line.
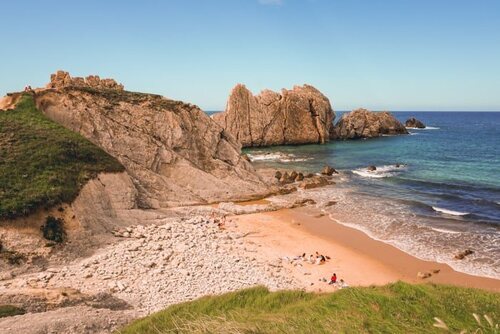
column 394, row 308
column 43, row 164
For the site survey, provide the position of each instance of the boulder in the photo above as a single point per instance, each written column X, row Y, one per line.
column 462, row 255
column 363, row 123
column 371, row 168
column 414, row 123
column 174, row 153
column 315, row 182
column 299, row 177
column 302, row 115
column 285, row 177
column 303, row 202
column 286, row 190
column 327, row 170
column 278, row 175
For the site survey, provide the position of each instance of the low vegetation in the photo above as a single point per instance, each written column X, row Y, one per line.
column 11, row 257
column 10, row 310
column 394, row 308
column 42, row 163
column 53, row 229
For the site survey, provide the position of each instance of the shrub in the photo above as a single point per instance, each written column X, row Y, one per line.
column 53, row 229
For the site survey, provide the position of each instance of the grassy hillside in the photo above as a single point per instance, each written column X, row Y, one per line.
column 42, row 163
column 395, row 308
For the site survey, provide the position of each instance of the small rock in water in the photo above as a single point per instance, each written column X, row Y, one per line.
column 371, row 168
column 328, row 170
column 462, row 255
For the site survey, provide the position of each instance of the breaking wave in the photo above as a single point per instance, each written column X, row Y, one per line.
column 450, row 212
column 276, row 156
column 380, row 172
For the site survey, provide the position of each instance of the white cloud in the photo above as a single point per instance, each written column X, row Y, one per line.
column 271, row 2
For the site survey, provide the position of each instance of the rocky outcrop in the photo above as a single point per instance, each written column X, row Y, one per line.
column 174, row 153
column 329, row 171
column 363, row 123
column 9, row 101
column 414, row 123
column 62, row 79
column 299, row 116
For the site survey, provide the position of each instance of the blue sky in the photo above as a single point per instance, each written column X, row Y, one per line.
column 377, row 54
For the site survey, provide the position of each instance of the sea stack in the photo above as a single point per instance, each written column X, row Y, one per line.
column 362, row 123
column 414, row 123
column 302, row 115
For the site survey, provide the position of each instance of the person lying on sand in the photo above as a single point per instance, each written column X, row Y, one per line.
column 342, row 284
column 300, row 257
column 320, row 258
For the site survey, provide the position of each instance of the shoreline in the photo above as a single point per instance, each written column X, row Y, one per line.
column 356, row 257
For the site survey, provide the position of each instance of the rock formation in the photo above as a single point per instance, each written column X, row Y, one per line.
column 62, row 79
column 298, row 116
column 363, row 123
column 9, row 101
column 174, row 152
column 414, row 123
column 329, row 171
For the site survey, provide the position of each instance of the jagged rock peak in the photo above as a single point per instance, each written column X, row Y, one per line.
column 298, row 116
column 62, row 79
column 362, row 123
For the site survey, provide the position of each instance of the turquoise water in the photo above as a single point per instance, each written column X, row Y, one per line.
column 448, row 181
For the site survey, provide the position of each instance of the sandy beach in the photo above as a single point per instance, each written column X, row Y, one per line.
column 355, row 257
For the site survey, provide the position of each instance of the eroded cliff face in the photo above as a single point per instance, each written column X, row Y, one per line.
column 174, row 153
column 299, row 116
column 363, row 123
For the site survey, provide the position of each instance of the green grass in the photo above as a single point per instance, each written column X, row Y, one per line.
column 10, row 310
column 43, row 164
column 394, row 308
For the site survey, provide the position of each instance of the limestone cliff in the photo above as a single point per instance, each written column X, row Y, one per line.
column 298, row 116
column 174, row 152
column 363, row 123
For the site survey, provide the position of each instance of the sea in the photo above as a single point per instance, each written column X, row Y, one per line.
column 435, row 192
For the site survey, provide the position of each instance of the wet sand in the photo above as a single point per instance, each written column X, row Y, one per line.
column 355, row 257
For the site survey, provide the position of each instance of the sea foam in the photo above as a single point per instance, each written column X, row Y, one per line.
column 380, row 172
column 426, row 128
column 276, row 156
column 449, row 212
